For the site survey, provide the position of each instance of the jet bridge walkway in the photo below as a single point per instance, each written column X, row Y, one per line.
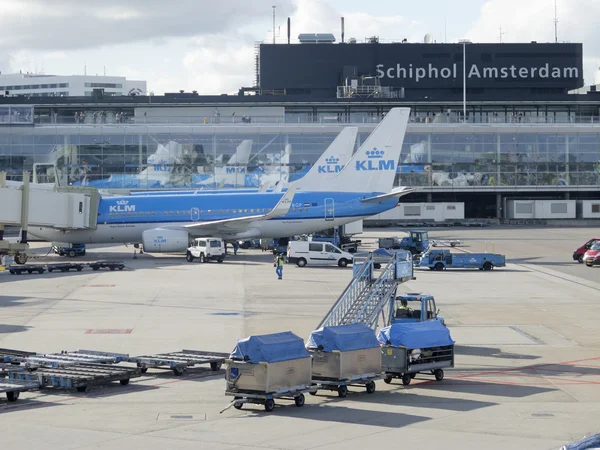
column 365, row 298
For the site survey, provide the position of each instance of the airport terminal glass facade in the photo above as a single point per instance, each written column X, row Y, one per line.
column 138, row 156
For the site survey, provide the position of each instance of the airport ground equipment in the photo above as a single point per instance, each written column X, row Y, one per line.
column 580, row 251
column 444, row 259
column 111, row 265
column 366, row 297
column 70, row 250
column 342, row 356
column 264, row 368
column 65, row 267
column 445, row 242
column 13, row 388
column 64, row 358
column 409, row 349
column 78, row 376
column 29, row 268
column 416, row 242
column 206, row 249
column 178, row 362
column 421, row 308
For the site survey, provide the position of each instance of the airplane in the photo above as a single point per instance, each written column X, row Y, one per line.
column 231, row 175
column 167, row 223
column 329, row 164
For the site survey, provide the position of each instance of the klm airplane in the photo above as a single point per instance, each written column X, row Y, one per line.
column 331, row 162
column 166, row 223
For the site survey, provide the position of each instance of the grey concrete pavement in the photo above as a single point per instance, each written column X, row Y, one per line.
column 527, row 366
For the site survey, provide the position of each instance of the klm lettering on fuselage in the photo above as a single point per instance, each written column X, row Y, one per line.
column 375, row 161
column 122, row 206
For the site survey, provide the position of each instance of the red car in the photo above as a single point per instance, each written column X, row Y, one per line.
column 578, row 254
column 592, row 256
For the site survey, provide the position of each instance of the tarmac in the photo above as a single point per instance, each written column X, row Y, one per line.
column 527, row 351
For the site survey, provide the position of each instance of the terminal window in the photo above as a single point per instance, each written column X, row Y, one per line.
column 596, row 208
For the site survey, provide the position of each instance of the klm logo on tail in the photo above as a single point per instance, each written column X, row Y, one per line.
column 331, row 165
column 375, row 161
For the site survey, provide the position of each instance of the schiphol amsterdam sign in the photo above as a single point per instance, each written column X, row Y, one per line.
column 429, row 72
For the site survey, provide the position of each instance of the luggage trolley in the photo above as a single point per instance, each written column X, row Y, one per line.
column 411, row 348
column 178, row 362
column 264, row 368
column 343, row 356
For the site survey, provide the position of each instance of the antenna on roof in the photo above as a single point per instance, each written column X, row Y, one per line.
column 555, row 24
column 502, row 33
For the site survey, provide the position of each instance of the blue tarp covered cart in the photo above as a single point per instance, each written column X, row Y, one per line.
column 263, row 368
column 411, row 348
column 343, row 356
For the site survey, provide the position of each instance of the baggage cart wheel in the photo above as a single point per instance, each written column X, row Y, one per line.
column 95, row 268
column 124, row 382
column 178, row 371
column 269, row 405
column 238, row 405
column 370, row 387
column 112, row 268
column 299, row 400
column 342, row 391
column 215, row 365
column 406, row 378
column 487, row 266
column 143, row 369
column 387, row 379
column 40, row 271
column 439, row 374
column 79, row 269
column 30, row 271
column 12, row 396
column 50, row 270
column 81, row 388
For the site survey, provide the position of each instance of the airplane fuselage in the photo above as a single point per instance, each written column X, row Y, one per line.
column 124, row 219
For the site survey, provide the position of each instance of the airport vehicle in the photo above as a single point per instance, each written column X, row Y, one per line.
column 166, row 223
column 416, row 242
column 110, row 265
column 65, row 267
column 445, row 242
column 444, row 259
column 578, row 254
column 70, row 250
column 341, row 236
column 342, row 356
column 303, row 253
column 411, row 348
column 419, row 308
column 264, row 368
column 592, row 256
column 381, row 257
column 29, row 268
column 206, row 249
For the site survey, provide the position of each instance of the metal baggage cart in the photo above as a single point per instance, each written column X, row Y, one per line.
column 178, row 362
column 411, row 348
column 267, row 399
column 13, row 388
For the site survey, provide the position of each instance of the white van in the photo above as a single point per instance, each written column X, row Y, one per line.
column 206, row 249
column 316, row 254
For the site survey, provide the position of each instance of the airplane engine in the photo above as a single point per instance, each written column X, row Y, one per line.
column 160, row 240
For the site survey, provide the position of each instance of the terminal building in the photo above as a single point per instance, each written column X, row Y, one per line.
column 523, row 129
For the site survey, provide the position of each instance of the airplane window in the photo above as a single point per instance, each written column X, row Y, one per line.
column 201, row 211
column 129, row 214
column 293, row 209
column 245, row 210
column 252, row 210
column 122, row 214
column 166, row 213
column 227, row 211
column 264, row 210
column 153, row 213
column 208, row 211
column 270, row 209
column 135, row 214
column 222, row 212
column 110, row 214
column 171, row 212
column 233, row 211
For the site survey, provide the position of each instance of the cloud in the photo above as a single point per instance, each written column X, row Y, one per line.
column 534, row 21
column 75, row 24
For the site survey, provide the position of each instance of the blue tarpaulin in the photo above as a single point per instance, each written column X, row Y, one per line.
column 344, row 338
column 416, row 335
column 270, row 348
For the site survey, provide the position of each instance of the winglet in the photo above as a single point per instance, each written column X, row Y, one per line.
column 284, row 205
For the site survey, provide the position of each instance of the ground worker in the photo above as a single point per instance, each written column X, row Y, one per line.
column 235, row 247
column 403, row 309
column 279, row 260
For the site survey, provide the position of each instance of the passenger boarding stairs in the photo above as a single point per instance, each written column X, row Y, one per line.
column 365, row 298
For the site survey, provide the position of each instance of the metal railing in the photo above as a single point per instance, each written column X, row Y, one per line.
column 351, row 295
column 332, row 118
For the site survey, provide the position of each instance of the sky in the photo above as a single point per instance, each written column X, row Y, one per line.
column 208, row 46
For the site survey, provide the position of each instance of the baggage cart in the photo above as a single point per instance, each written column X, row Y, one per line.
column 343, row 356
column 78, row 376
column 13, row 388
column 178, row 362
column 411, row 348
column 65, row 267
column 111, row 265
column 264, row 368
column 29, row 268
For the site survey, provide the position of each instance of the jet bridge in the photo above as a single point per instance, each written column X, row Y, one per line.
column 366, row 297
column 27, row 204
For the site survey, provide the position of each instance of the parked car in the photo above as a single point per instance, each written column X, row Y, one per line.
column 578, row 254
column 305, row 253
column 206, row 249
column 70, row 250
column 592, row 256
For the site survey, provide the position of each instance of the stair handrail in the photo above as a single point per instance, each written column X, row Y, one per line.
column 389, row 273
column 359, row 278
